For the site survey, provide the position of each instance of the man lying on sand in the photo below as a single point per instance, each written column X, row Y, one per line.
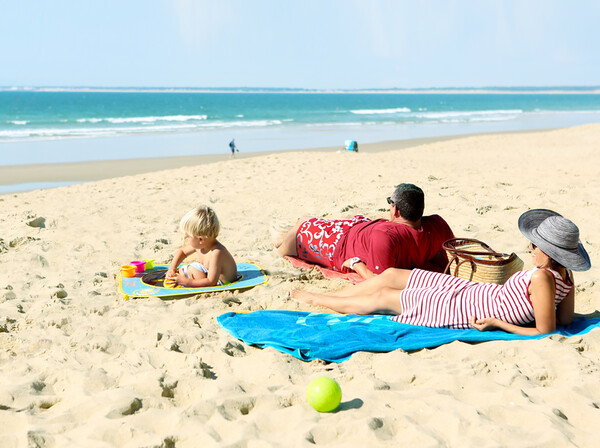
column 368, row 247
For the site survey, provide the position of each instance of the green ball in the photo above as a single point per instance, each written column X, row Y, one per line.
column 324, row 394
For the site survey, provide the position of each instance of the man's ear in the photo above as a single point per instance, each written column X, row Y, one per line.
column 396, row 212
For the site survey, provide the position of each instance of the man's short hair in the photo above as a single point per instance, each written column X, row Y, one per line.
column 409, row 201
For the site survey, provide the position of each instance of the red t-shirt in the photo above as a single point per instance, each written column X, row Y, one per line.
column 382, row 244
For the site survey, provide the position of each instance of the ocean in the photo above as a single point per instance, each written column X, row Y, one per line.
column 39, row 126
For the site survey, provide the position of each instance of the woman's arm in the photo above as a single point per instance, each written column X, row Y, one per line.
column 541, row 294
column 566, row 309
column 491, row 323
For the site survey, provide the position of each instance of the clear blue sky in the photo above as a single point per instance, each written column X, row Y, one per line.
column 321, row 44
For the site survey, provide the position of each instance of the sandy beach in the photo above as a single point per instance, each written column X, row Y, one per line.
column 80, row 366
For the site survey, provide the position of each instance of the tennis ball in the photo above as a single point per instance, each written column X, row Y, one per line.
column 324, row 394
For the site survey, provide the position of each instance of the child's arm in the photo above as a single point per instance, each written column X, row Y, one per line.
column 212, row 277
column 178, row 257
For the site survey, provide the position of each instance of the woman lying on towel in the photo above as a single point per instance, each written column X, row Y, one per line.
column 545, row 294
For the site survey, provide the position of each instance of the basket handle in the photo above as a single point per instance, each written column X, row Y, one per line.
column 470, row 253
column 458, row 265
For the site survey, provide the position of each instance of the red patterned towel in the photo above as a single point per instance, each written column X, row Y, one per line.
column 327, row 273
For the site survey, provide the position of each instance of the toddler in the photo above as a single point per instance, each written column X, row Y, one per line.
column 215, row 265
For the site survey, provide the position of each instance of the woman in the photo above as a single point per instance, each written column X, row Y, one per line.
column 544, row 294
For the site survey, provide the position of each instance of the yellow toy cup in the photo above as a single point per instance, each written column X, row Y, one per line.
column 149, row 263
column 128, row 270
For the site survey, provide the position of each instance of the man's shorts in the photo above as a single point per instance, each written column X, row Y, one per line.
column 318, row 238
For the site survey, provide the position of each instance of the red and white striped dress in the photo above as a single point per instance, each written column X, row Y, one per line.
column 431, row 299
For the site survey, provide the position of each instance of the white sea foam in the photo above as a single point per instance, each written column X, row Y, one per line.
column 241, row 123
column 119, row 120
column 19, row 122
column 90, row 120
column 468, row 115
column 380, row 111
column 90, row 132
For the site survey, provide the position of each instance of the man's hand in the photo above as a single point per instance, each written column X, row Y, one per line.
column 359, row 267
column 346, row 265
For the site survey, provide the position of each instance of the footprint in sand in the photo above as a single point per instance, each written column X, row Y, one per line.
column 204, row 370
column 233, row 409
column 382, row 428
column 128, row 409
column 234, row 349
column 38, row 222
column 168, row 389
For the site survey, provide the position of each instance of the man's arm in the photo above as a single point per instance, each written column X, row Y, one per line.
column 443, row 233
column 438, row 263
column 359, row 267
column 362, row 270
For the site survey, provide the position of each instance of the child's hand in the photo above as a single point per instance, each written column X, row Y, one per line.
column 170, row 273
column 182, row 279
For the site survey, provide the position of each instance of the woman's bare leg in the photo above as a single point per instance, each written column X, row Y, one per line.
column 390, row 278
column 384, row 301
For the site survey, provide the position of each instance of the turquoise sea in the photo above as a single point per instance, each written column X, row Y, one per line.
column 60, row 126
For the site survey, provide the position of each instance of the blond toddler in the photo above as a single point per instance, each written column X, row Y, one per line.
column 214, row 265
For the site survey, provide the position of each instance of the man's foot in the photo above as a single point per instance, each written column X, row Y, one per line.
column 278, row 233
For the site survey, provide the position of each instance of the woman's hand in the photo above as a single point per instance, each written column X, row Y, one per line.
column 485, row 324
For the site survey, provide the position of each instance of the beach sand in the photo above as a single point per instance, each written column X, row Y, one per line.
column 80, row 366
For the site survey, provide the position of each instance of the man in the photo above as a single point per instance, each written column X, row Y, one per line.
column 232, row 147
column 368, row 247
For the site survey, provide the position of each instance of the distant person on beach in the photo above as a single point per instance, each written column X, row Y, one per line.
column 215, row 265
column 233, row 147
column 368, row 247
column 544, row 295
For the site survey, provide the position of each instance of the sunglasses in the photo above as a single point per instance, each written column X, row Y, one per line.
column 389, row 200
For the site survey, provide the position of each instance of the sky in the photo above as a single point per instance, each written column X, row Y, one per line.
column 312, row 44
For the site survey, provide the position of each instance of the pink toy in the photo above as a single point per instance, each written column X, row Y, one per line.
column 140, row 265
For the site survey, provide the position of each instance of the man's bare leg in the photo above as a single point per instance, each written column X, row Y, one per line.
column 286, row 244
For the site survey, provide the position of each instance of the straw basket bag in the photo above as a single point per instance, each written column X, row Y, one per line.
column 476, row 261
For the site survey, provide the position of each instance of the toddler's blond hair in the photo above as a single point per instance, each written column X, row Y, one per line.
column 200, row 221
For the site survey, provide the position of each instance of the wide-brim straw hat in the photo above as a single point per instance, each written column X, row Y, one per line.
column 556, row 236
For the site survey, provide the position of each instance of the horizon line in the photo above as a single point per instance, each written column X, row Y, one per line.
column 448, row 89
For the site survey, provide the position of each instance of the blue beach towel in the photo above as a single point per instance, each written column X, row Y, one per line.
column 335, row 337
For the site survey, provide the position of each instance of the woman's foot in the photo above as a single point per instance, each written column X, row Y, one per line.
column 303, row 296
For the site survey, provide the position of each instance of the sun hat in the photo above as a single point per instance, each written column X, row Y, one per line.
column 556, row 236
